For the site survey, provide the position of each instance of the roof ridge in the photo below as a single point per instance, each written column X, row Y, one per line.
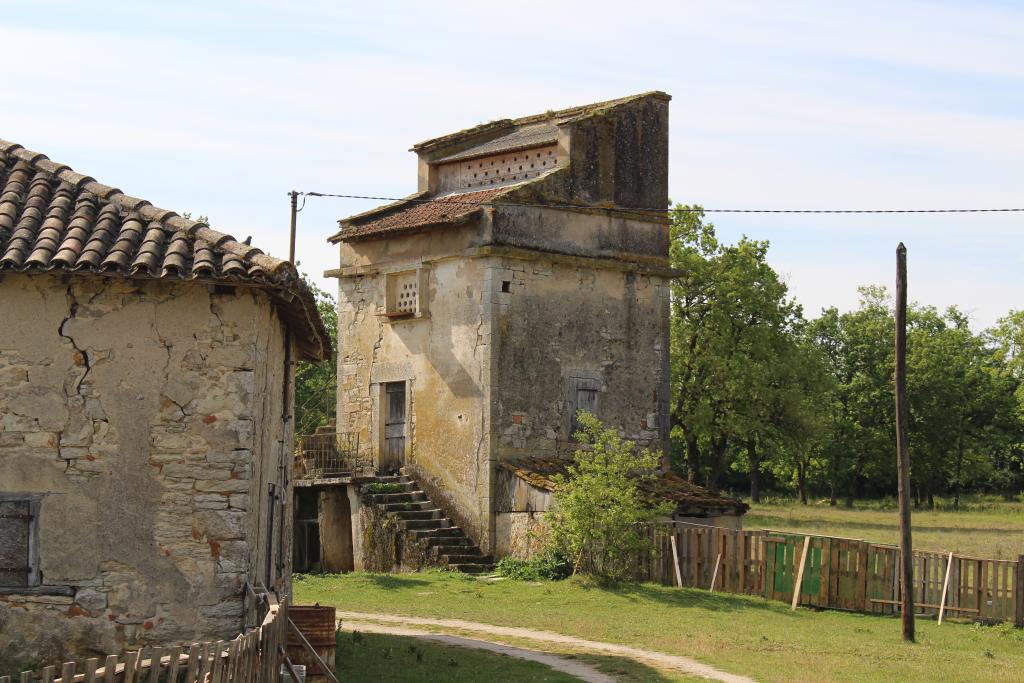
column 171, row 221
column 561, row 116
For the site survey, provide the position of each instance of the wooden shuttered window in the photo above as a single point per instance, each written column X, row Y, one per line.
column 582, row 396
column 19, row 542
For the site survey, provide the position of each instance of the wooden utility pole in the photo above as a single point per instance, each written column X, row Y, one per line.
column 902, row 456
column 291, row 240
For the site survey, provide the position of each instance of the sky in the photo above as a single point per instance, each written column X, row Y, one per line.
column 221, row 108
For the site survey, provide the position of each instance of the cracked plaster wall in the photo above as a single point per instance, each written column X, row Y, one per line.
column 444, row 356
column 149, row 416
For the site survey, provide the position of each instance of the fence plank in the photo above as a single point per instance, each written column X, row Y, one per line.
column 945, row 588
column 798, row 585
column 48, row 674
column 90, row 670
column 155, row 657
column 675, row 560
column 110, row 669
column 173, row 665
column 67, row 672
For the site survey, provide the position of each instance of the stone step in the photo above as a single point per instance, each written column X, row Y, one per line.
column 449, row 532
column 388, row 498
column 457, row 541
column 426, row 524
column 468, row 559
column 408, row 506
column 470, row 568
column 419, row 514
column 456, row 549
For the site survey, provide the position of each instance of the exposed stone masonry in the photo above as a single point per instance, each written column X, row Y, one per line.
column 136, row 409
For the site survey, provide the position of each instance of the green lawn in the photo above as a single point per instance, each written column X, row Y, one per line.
column 376, row 657
column 764, row 640
column 986, row 528
column 366, row 657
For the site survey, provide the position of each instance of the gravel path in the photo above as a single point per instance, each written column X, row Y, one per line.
column 662, row 660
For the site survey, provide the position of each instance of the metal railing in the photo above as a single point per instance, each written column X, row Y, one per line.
column 323, row 456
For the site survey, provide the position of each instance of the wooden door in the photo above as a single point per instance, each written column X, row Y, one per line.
column 394, row 426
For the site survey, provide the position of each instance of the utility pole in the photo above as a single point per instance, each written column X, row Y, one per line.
column 902, row 456
column 295, row 211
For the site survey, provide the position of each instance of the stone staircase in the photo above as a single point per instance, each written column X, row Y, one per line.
column 423, row 521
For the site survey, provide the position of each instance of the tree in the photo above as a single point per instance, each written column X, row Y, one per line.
column 599, row 511
column 732, row 326
column 316, row 384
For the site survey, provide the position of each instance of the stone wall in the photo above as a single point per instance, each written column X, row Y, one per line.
column 442, row 355
column 148, row 415
column 564, row 319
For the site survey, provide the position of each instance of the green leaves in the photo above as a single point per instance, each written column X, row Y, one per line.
column 316, row 384
column 599, row 511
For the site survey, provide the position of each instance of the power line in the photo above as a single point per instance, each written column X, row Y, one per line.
column 680, row 209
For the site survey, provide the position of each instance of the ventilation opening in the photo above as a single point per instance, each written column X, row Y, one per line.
column 506, row 286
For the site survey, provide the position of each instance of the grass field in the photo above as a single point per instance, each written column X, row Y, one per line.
column 397, row 659
column 984, row 528
column 739, row 634
column 401, row 659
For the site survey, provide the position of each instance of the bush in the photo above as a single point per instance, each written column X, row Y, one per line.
column 544, row 567
column 600, row 514
column 384, row 488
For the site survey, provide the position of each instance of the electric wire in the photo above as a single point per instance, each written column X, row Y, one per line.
column 451, row 199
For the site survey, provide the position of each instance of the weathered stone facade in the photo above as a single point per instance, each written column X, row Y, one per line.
column 148, row 417
column 146, row 372
column 526, row 299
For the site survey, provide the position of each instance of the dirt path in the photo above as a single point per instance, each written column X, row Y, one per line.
column 582, row 671
column 678, row 663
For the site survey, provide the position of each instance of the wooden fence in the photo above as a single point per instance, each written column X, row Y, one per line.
column 254, row 656
column 837, row 573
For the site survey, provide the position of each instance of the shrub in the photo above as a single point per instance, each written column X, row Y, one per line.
column 546, row 566
column 599, row 516
column 381, row 487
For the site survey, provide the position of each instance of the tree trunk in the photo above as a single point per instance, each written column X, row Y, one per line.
column 833, row 480
column 801, row 479
column 755, row 470
column 959, row 466
column 692, row 457
column 718, row 447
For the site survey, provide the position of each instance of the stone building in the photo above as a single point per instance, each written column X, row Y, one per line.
column 525, row 280
column 146, row 383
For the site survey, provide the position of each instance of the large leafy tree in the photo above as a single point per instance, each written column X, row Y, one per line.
column 316, row 384
column 733, row 330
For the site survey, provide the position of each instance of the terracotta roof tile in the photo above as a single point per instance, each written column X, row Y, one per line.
column 52, row 219
column 669, row 487
column 415, row 213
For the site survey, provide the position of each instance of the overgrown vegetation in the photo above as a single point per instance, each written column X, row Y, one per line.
column 316, row 384
column 383, row 487
column 545, row 566
column 597, row 520
column 764, row 398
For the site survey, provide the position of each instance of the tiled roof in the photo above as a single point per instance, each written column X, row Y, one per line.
column 416, row 212
column 522, row 138
column 53, row 219
column 669, row 487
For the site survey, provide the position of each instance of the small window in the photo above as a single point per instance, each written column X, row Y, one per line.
column 506, row 286
column 582, row 397
column 403, row 294
column 19, row 541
